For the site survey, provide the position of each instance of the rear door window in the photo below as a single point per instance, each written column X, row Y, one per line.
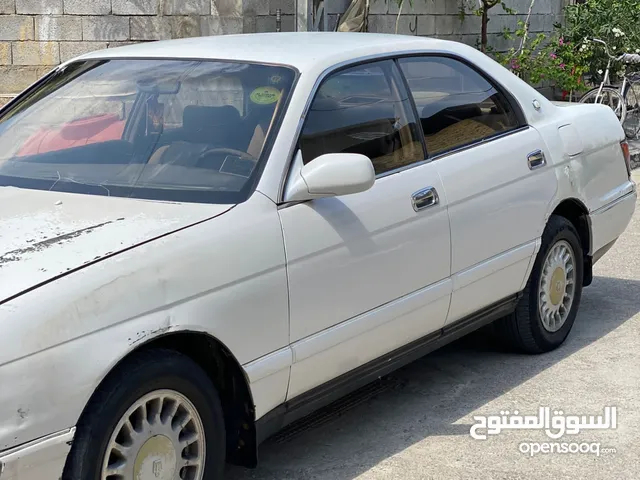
column 457, row 105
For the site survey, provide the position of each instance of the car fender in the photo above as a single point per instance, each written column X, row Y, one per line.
column 225, row 277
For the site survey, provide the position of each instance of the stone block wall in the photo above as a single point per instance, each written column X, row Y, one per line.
column 442, row 19
column 36, row 35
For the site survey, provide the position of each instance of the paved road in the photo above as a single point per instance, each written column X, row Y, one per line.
column 415, row 424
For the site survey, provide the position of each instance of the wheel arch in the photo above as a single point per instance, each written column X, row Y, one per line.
column 577, row 213
column 226, row 374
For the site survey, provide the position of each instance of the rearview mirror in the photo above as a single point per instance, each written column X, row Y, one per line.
column 332, row 175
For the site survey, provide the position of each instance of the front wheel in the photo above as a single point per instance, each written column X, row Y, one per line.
column 158, row 416
column 609, row 96
column 549, row 305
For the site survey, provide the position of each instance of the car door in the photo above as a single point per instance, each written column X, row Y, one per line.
column 368, row 272
column 493, row 168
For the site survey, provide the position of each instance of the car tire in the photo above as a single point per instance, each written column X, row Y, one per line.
column 158, row 381
column 534, row 326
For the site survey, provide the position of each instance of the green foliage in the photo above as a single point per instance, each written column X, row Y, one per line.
column 540, row 59
column 568, row 56
column 617, row 22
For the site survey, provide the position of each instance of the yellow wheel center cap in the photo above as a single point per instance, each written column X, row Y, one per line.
column 556, row 289
column 156, row 460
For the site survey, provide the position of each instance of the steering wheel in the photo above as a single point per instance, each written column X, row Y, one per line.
column 228, row 151
column 219, row 155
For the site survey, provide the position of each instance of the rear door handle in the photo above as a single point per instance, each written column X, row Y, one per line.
column 425, row 198
column 536, row 160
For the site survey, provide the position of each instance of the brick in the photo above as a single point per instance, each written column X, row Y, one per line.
column 42, row 71
column 266, row 24
column 120, row 44
column 14, row 27
column 150, row 28
column 58, row 28
column 221, row 25
column 408, row 25
column 547, row 6
column 471, row 40
column 337, row 6
column 420, row 7
column 227, row 8
column 15, row 79
column 187, row 7
column 446, row 24
column 427, row 25
column 287, row 7
column 387, row 24
column 253, row 8
column 438, row 7
column 289, row 23
column 379, row 7
column 5, row 98
column 134, row 7
column 105, row 28
column 497, row 23
column 39, row 7
column 36, row 53
column 453, row 7
column 5, row 53
column 7, row 7
column 269, row 24
column 184, row 27
column 471, row 25
column 248, row 24
column 87, row 7
column 536, row 23
column 500, row 43
column 69, row 50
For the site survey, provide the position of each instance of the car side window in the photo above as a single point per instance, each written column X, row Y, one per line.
column 365, row 110
column 456, row 104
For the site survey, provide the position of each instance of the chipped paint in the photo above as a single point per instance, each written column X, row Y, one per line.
column 15, row 255
column 40, row 240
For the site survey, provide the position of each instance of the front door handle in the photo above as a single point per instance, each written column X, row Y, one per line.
column 536, row 160
column 425, row 198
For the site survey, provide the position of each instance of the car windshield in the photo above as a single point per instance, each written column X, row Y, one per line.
column 171, row 130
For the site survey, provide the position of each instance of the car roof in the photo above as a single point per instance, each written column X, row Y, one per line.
column 302, row 50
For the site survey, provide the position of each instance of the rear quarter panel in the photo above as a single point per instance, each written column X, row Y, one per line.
column 587, row 157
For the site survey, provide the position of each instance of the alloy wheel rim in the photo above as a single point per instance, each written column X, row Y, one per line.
column 161, row 437
column 556, row 289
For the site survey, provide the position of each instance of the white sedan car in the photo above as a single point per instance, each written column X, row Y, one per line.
column 204, row 240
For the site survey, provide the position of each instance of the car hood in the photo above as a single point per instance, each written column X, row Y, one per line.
column 46, row 234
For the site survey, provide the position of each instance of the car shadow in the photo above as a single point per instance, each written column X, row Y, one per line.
column 428, row 397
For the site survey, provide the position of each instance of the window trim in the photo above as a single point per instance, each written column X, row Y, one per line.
column 511, row 101
column 395, row 56
column 389, row 64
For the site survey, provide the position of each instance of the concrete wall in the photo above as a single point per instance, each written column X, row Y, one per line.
column 38, row 34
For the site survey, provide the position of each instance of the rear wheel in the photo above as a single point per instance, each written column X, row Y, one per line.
column 157, row 417
column 609, row 96
column 546, row 312
column 632, row 100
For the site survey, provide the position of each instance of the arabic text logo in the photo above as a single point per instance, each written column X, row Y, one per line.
column 555, row 423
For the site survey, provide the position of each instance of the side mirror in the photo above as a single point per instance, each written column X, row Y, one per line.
column 331, row 175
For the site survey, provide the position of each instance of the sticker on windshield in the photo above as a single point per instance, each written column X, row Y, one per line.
column 265, row 95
